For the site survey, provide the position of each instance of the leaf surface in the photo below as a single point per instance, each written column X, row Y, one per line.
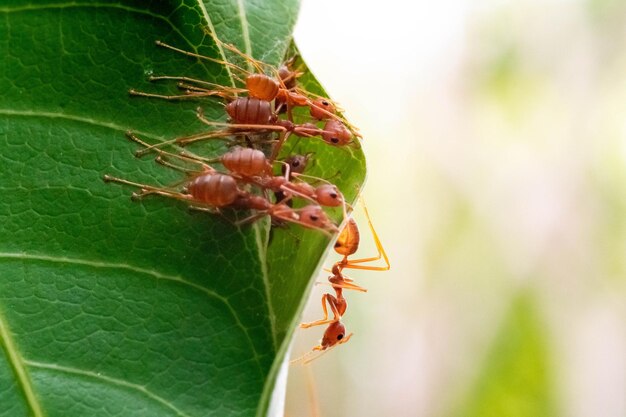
column 110, row 307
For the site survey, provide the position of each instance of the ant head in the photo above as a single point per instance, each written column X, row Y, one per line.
column 297, row 163
column 335, row 334
column 336, row 133
column 322, row 109
column 329, row 195
column 315, row 217
column 288, row 77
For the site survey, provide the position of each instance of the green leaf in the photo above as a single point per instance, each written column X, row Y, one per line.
column 111, row 307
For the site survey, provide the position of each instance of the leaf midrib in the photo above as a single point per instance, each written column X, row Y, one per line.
column 261, row 249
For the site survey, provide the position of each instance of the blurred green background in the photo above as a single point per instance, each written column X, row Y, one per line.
column 495, row 133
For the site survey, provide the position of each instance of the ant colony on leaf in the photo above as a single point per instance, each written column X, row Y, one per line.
column 253, row 179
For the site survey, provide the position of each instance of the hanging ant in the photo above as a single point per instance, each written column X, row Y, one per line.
column 346, row 245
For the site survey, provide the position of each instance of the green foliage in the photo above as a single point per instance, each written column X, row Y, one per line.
column 109, row 307
column 515, row 381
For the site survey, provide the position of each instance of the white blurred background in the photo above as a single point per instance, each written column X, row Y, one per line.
column 495, row 135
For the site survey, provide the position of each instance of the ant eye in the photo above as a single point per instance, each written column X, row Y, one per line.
column 337, row 244
column 296, row 163
column 314, row 218
column 334, row 140
column 334, row 195
column 325, row 103
column 339, row 336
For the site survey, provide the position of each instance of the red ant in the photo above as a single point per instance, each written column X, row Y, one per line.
column 209, row 190
column 252, row 166
column 253, row 116
column 347, row 244
column 281, row 87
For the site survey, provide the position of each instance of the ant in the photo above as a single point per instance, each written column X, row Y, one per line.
column 347, row 244
column 252, row 166
column 210, row 190
column 252, row 116
column 280, row 87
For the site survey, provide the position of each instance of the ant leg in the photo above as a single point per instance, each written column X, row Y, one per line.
column 162, row 192
column 308, row 226
column 282, row 138
column 212, row 210
column 332, row 302
column 161, row 161
column 187, row 157
column 139, row 153
column 208, row 58
column 294, row 193
column 314, row 401
column 148, row 189
column 257, row 64
column 196, row 81
column 184, row 140
column 189, row 172
column 218, row 134
column 226, row 93
column 187, row 96
column 346, row 286
column 250, row 219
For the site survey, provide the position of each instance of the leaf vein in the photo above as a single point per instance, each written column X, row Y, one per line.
column 120, row 382
column 67, row 5
column 145, row 271
column 86, row 120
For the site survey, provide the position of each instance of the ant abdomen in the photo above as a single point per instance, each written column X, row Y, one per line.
column 252, row 202
column 262, row 87
column 348, row 241
column 214, row 189
column 250, row 110
column 247, row 162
